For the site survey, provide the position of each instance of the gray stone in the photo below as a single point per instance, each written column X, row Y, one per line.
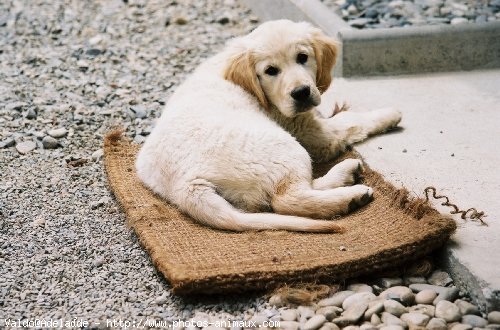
column 336, row 300
column 7, row 143
column 31, row 113
column 475, row 321
column 49, row 142
column 466, row 307
column 440, row 278
column 139, row 139
column 444, row 293
column 25, row 147
column 460, row 326
column 424, row 309
column 425, row 297
column 138, row 111
column 388, row 282
column 414, row 280
column 494, row 317
column 493, row 326
column 395, row 308
column 58, row 132
column 330, row 312
column 289, row 325
column 357, row 298
column 389, row 319
column 352, row 315
column 416, row 319
column 259, row 319
column 401, row 293
column 447, row 311
column 314, row 322
column 289, row 315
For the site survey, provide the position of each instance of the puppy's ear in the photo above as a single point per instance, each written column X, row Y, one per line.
column 241, row 71
column 325, row 51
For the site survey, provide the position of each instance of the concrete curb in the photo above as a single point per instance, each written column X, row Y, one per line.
column 396, row 50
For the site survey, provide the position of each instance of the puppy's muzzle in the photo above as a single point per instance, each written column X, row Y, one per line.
column 303, row 98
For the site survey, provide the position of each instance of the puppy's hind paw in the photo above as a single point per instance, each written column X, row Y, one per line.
column 364, row 197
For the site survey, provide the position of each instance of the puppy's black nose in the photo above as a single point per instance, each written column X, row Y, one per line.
column 301, row 93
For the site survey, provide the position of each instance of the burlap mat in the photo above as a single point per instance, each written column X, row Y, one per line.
column 196, row 259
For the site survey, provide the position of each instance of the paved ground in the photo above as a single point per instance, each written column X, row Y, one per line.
column 450, row 140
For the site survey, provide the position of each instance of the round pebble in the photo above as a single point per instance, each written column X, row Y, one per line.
column 49, row 142
column 475, row 321
column 58, row 132
column 425, row 297
column 447, row 311
column 25, row 147
column 494, row 317
column 314, row 322
column 395, row 308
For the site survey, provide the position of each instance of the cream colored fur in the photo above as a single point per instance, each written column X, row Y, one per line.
column 232, row 144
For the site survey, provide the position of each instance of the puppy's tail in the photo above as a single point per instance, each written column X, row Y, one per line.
column 206, row 206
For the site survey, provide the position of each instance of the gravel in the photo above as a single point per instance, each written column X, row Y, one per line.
column 372, row 14
column 361, row 311
column 69, row 72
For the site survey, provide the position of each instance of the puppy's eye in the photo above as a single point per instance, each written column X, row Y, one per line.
column 272, row 71
column 301, row 58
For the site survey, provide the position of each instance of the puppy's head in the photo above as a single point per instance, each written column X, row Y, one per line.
column 285, row 65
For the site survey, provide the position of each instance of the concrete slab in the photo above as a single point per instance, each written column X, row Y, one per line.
column 450, row 140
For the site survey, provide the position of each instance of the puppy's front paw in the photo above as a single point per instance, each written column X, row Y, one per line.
column 363, row 195
column 388, row 118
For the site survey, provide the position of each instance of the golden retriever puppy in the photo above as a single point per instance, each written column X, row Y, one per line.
column 235, row 140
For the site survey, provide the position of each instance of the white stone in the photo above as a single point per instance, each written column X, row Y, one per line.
column 494, row 317
column 402, row 292
column 448, row 311
column 58, row 132
column 436, row 324
column 289, row 315
column 393, row 307
column 289, row 325
column 425, row 297
column 424, row 309
column 359, row 287
column 314, row 322
column 417, row 319
column 25, row 147
column 329, row 326
column 389, row 319
column 376, row 308
column 330, row 312
column 358, row 298
column 336, row 300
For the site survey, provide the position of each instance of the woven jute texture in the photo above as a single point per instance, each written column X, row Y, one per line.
column 391, row 230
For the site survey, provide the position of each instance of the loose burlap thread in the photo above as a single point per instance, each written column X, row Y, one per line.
column 391, row 230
